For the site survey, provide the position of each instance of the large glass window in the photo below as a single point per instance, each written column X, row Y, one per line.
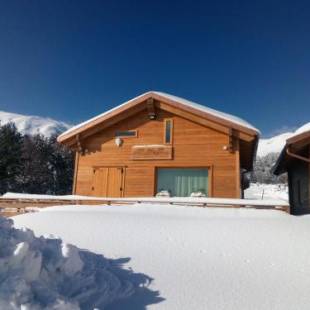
column 182, row 182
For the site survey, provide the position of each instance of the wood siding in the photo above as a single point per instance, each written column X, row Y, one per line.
column 194, row 145
column 299, row 185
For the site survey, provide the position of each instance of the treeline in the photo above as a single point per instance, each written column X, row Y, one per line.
column 33, row 164
column 262, row 170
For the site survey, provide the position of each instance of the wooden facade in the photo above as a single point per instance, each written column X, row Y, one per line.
column 120, row 153
column 295, row 161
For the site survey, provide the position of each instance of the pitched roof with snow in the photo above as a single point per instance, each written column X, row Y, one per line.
column 171, row 99
column 298, row 142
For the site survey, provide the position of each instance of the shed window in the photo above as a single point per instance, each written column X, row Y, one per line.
column 126, row 133
column 182, row 182
column 168, row 131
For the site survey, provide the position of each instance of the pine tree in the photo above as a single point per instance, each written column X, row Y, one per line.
column 262, row 172
column 10, row 158
column 61, row 161
column 37, row 174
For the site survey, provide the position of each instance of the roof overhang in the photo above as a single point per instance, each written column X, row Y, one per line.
column 195, row 112
column 293, row 146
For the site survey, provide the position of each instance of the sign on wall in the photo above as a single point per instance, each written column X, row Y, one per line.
column 151, row 152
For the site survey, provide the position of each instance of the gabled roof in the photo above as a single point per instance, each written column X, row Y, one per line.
column 189, row 106
column 295, row 143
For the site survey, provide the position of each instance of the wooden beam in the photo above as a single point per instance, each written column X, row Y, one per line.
column 238, row 170
column 79, row 145
column 76, row 166
column 151, row 108
column 230, row 141
column 289, row 153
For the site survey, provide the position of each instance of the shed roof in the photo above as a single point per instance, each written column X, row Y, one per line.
column 295, row 143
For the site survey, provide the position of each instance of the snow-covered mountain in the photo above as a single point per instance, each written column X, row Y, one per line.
column 31, row 125
column 275, row 144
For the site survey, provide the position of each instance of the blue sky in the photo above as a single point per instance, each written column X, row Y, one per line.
column 71, row 60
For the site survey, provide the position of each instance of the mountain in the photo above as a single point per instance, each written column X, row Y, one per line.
column 275, row 144
column 31, row 125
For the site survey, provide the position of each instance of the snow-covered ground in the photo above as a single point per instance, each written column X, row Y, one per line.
column 267, row 191
column 197, row 258
column 31, row 125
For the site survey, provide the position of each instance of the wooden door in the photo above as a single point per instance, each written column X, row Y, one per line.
column 108, row 182
column 115, row 182
column 100, row 181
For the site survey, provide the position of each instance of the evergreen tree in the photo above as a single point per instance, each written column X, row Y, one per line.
column 10, row 158
column 37, row 173
column 61, row 161
column 262, row 170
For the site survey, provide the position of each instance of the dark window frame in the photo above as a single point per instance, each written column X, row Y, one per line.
column 168, row 120
column 121, row 134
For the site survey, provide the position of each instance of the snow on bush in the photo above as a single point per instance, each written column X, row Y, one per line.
column 163, row 193
column 41, row 273
column 198, row 194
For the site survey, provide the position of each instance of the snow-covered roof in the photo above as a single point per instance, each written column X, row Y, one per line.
column 302, row 137
column 160, row 95
column 299, row 133
column 231, row 118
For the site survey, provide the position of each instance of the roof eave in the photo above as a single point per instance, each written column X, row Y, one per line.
column 63, row 138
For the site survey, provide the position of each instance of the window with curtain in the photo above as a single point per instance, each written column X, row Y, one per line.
column 182, row 182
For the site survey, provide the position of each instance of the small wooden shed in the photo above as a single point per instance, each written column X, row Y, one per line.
column 160, row 143
column 295, row 160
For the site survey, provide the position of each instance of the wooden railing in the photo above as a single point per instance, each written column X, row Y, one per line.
column 13, row 206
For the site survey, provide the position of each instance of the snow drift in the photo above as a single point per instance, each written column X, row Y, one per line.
column 41, row 273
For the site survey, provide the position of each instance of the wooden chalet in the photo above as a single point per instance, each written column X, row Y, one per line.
column 159, row 143
column 295, row 160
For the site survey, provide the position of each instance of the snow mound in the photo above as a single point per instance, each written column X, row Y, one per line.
column 40, row 273
column 32, row 125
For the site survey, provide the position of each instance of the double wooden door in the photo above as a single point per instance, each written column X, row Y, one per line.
column 108, row 182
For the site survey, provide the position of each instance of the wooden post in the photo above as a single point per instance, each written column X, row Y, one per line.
column 76, row 165
column 238, row 170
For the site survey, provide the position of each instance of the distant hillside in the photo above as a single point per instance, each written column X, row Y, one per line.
column 276, row 143
column 268, row 153
column 31, row 125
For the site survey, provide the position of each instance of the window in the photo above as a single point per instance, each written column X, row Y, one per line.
column 126, row 133
column 168, row 131
column 182, row 182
